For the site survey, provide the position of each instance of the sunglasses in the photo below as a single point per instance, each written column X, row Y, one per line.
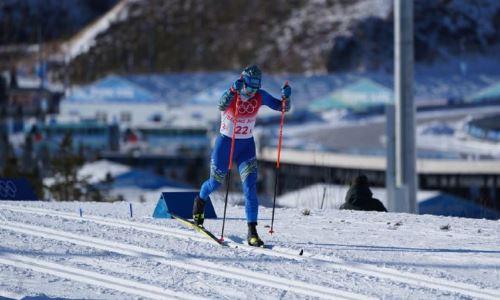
column 253, row 82
column 250, row 89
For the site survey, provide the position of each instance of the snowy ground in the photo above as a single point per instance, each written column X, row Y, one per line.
column 49, row 251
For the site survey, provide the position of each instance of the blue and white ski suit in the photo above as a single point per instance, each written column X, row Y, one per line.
column 244, row 145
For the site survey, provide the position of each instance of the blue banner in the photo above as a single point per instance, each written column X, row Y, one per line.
column 16, row 189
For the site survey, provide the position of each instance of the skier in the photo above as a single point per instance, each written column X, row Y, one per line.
column 246, row 95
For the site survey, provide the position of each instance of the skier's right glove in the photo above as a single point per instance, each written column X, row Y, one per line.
column 237, row 85
column 286, row 92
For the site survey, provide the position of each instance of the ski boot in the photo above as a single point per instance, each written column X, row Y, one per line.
column 198, row 211
column 252, row 237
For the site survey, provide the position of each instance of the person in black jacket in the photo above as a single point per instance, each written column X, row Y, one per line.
column 359, row 197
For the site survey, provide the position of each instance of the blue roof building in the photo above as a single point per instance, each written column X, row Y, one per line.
column 359, row 95
column 114, row 99
column 113, row 89
column 488, row 94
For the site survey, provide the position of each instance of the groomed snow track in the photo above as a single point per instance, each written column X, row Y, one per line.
column 191, row 264
column 236, row 273
column 93, row 278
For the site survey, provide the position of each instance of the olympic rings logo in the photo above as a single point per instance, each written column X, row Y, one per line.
column 247, row 107
column 8, row 189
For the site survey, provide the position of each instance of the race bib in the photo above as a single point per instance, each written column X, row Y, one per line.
column 246, row 117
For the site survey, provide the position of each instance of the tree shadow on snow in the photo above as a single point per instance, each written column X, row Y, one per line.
column 402, row 249
column 459, row 265
column 474, row 266
column 43, row 297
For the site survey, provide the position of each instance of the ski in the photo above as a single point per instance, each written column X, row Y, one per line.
column 265, row 246
column 276, row 250
column 235, row 244
column 232, row 243
column 199, row 229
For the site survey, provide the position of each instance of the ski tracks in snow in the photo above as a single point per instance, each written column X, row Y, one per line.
column 366, row 269
column 190, row 264
column 93, row 278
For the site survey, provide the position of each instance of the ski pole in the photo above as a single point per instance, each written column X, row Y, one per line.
column 231, row 152
column 282, row 121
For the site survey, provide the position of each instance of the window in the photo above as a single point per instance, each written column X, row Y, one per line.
column 102, row 116
column 125, row 116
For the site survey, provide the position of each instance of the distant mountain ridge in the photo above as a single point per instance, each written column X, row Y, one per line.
column 293, row 36
column 197, row 35
column 22, row 21
column 283, row 36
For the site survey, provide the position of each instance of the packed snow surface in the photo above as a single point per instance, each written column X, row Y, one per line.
column 48, row 250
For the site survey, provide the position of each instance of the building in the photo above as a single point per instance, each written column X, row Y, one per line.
column 477, row 181
column 489, row 94
column 28, row 97
column 361, row 95
column 88, row 137
column 114, row 99
column 173, row 140
column 486, row 128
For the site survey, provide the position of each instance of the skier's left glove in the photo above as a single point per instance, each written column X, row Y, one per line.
column 229, row 94
column 286, row 92
column 225, row 100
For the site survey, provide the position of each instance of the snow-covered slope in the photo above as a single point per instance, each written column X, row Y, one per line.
column 48, row 251
column 85, row 39
column 23, row 21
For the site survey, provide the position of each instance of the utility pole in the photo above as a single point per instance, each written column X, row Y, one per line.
column 404, row 197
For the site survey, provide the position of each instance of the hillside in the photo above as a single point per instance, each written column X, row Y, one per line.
column 27, row 21
column 283, row 36
column 49, row 251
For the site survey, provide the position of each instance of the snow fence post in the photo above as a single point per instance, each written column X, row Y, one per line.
column 130, row 209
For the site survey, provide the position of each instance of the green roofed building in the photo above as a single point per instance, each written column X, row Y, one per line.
column 360, row 95
column 488, row 94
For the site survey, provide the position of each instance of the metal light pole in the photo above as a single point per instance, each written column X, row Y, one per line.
column 405, row 154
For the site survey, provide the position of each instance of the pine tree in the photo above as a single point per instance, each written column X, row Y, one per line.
column 67, row 185
column 37, row 182
column 27, row 162
column 4, row 137
column 11, row 168
column 10, row 163
column 3, row 90
column 29, row 167
column 106, row 186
